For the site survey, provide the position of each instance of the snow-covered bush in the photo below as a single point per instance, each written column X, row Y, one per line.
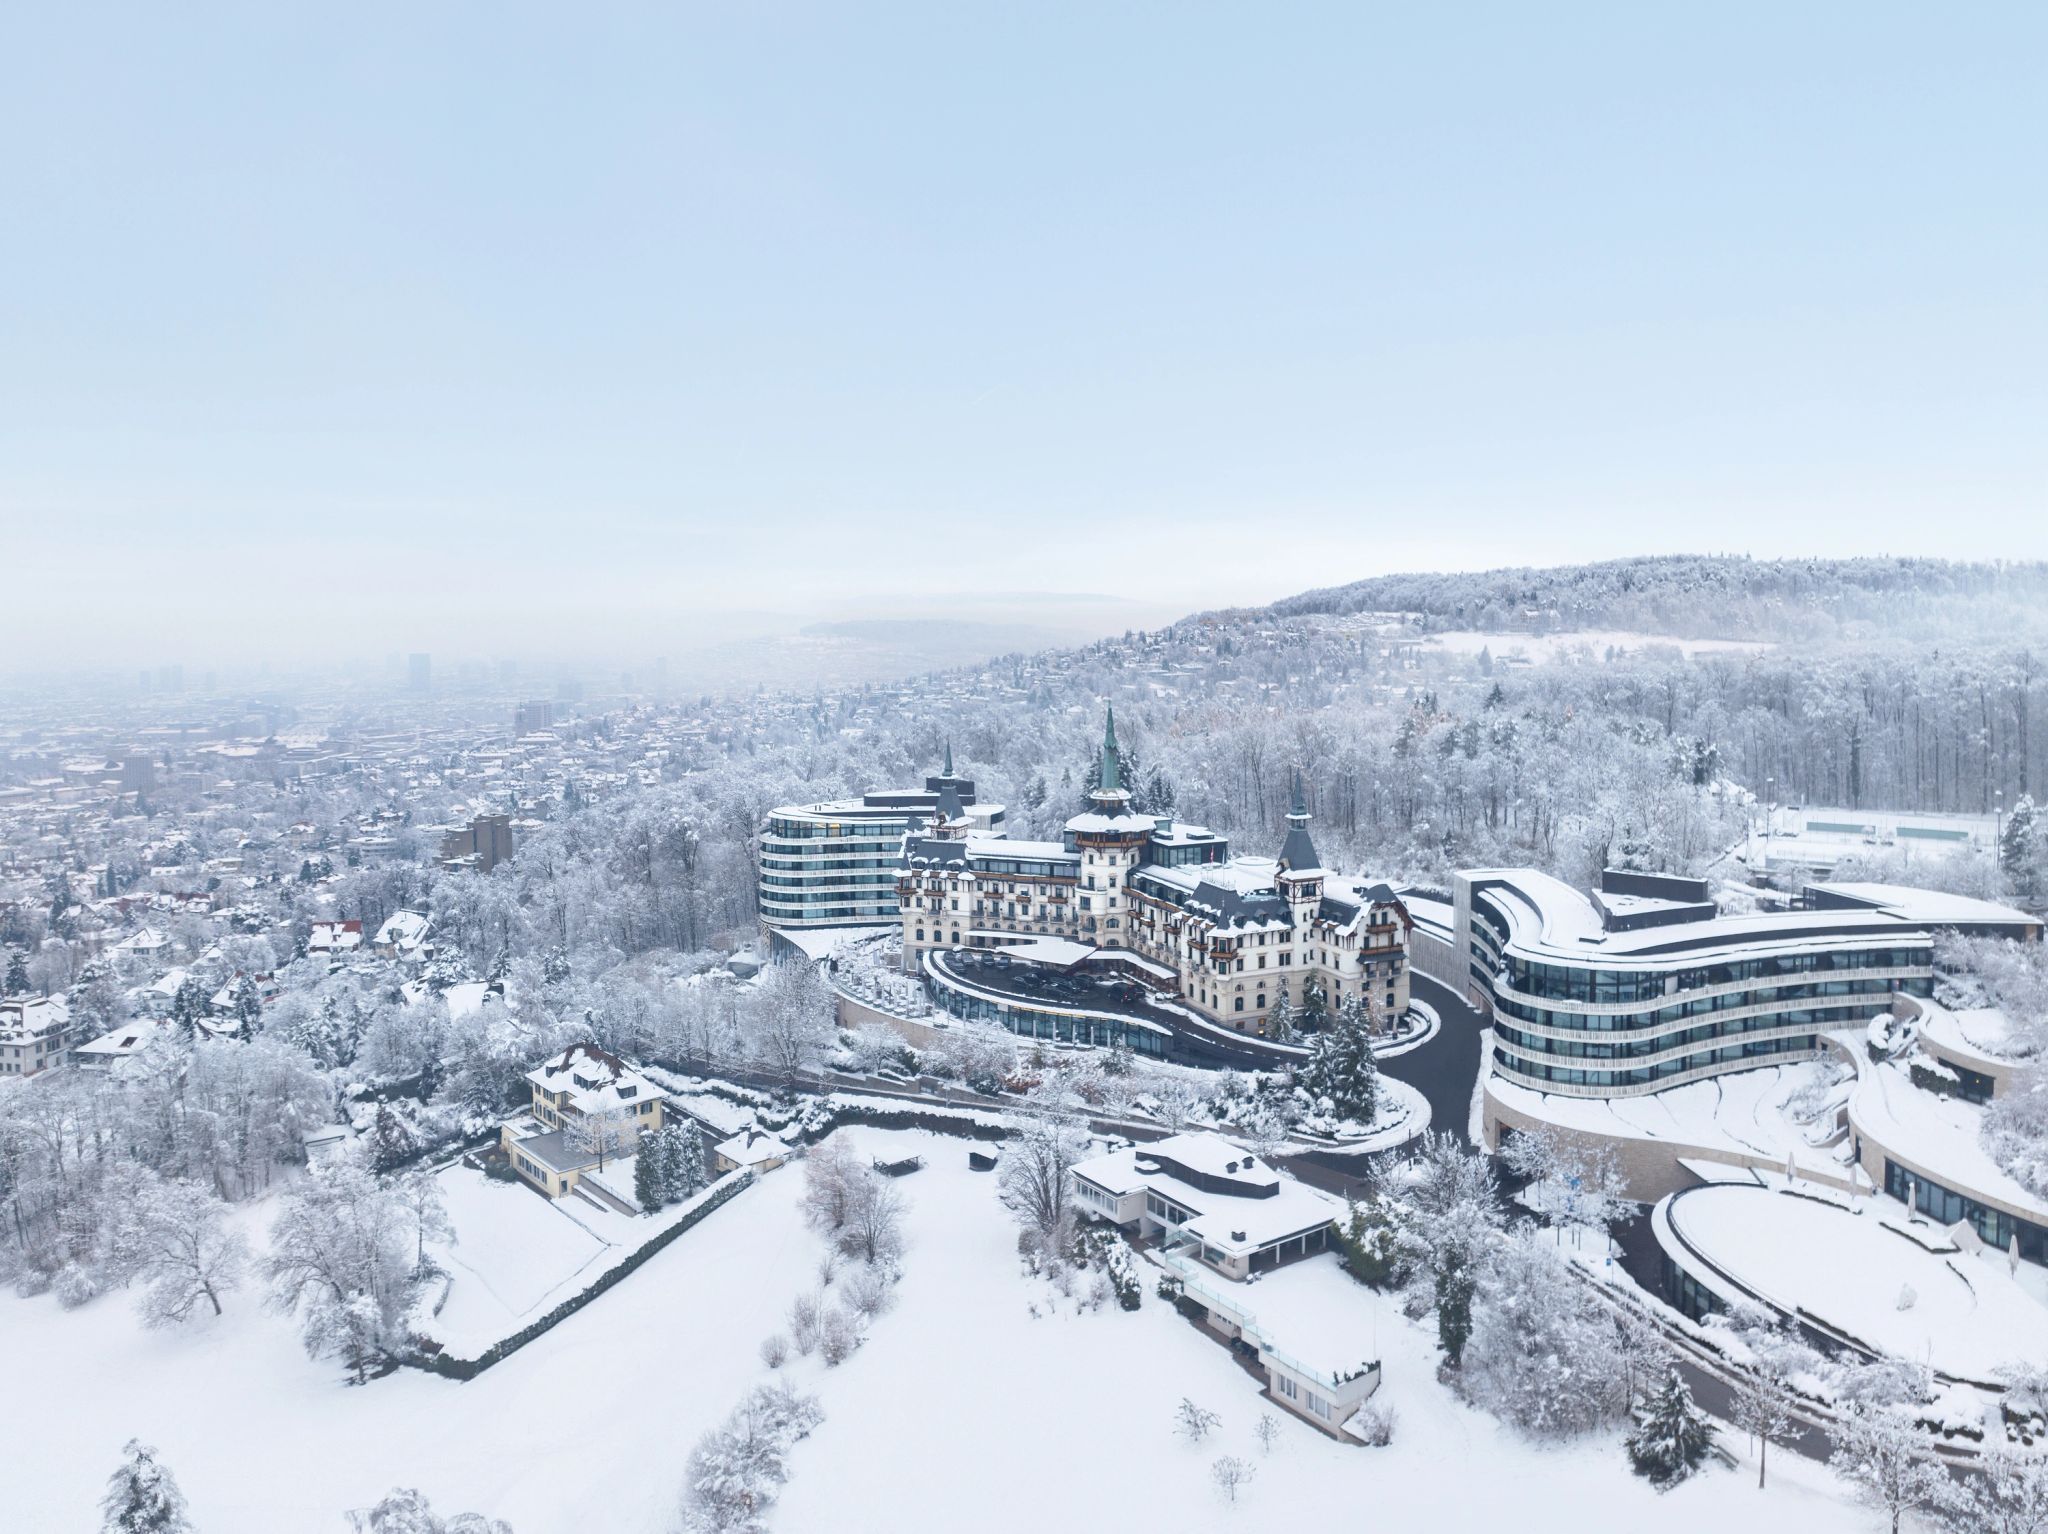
column 869, row 1291
column 838, row 1336
column 737, row 1469
column 1374, row 1422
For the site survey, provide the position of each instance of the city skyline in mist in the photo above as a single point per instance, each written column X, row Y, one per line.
column 611, row 335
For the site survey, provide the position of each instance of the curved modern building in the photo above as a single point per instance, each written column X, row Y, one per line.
column 835, row 864
column 1645, row 985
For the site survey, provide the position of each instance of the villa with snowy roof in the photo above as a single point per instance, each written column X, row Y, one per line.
column 34, row 1034
column 589, row 1107
column 1148, row 900
column 1211, row 1207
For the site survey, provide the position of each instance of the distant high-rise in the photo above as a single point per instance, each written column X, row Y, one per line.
column 420, row 672
column 538, row 714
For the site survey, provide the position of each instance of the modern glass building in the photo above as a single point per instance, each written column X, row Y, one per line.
column 1645, row 985
column 835, row 864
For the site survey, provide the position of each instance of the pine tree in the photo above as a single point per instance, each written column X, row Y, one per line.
column 248, row 1006
column 2019, row 848
column 143, row 1497
column 1341, row 1068
column 1672, row 1436
column 687, row 1171
column 650, row 1173
column 17, row 983
column 1280, row 1021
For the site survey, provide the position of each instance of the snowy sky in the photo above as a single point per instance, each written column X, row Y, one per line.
column 379, row 325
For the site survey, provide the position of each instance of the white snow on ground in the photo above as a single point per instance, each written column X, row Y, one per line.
column 961, row 1412
column 1851, row 1269
column 516, row 1255
column 1741, row 1113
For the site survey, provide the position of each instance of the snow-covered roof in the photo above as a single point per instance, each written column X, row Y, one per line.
column 595, row 1080
column 1551, row 920
column 1265, row 1207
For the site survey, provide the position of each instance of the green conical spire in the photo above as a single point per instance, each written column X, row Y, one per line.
column 1300, row 806
column 1112, row 773
column 949, row 757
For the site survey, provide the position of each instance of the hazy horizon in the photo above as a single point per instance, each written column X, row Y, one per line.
column 386, row 331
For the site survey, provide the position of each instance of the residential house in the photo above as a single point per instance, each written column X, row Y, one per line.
column 34, row 1034
column 552, row 1145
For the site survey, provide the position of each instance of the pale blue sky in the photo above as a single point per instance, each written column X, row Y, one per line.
column 434, row 325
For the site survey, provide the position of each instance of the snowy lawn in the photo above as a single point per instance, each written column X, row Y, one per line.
column 1859, row 1273
column 962, row 1410
column 515, row 1255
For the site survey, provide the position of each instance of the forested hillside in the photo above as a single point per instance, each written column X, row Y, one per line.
column 1712, row 596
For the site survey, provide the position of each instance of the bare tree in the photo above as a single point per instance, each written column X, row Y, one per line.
column 1037, row 1177
column 602, row 1135
column 1232, row 1475
column 1267, row 1431
column 176, row 1238
column 1195, row 1422
column 419, row 1192
column 1887, row 1462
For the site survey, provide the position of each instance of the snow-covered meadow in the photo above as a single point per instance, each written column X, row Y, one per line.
column 980, row 1400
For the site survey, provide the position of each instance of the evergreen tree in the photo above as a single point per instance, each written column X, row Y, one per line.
column 650, row 1174
column 2019, row 848
column 1341, row 1068
column 17, row 983
column 188, row 1005
column 1315, row 1007
column 248, row 1007
column 143, row 1497
column 1280, row 1021
column 687, row 1172
column 1672, row 1436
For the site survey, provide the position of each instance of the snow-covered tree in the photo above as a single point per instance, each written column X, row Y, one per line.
column 142, row 1496
column 1886, row 1461
column 1544, row 1352
column 603, row 1135
column 2003, row 1493
column 736, row 1470
column 2019, row 849
column 1341, row 1071
column 177, row 1240
column 1453, row 1210
column 1672, row 1436
column 341, row 1259
column 789, row 1017
column 1192, row 1421
column 419, row 1194
column 1036, row 1177
column 406, row 1511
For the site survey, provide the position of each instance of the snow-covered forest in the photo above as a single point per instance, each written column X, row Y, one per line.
column 202, row 906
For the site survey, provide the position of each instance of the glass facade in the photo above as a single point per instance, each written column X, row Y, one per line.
column 1040, row 1021
column 1995, row 1227
column 1615, row 1027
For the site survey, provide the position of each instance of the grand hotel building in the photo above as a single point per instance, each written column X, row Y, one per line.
column 1160, row 900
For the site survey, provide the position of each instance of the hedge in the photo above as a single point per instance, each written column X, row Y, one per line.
column 470, row 1368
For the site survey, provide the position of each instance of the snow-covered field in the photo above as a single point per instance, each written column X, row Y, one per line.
column 964, row 1409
